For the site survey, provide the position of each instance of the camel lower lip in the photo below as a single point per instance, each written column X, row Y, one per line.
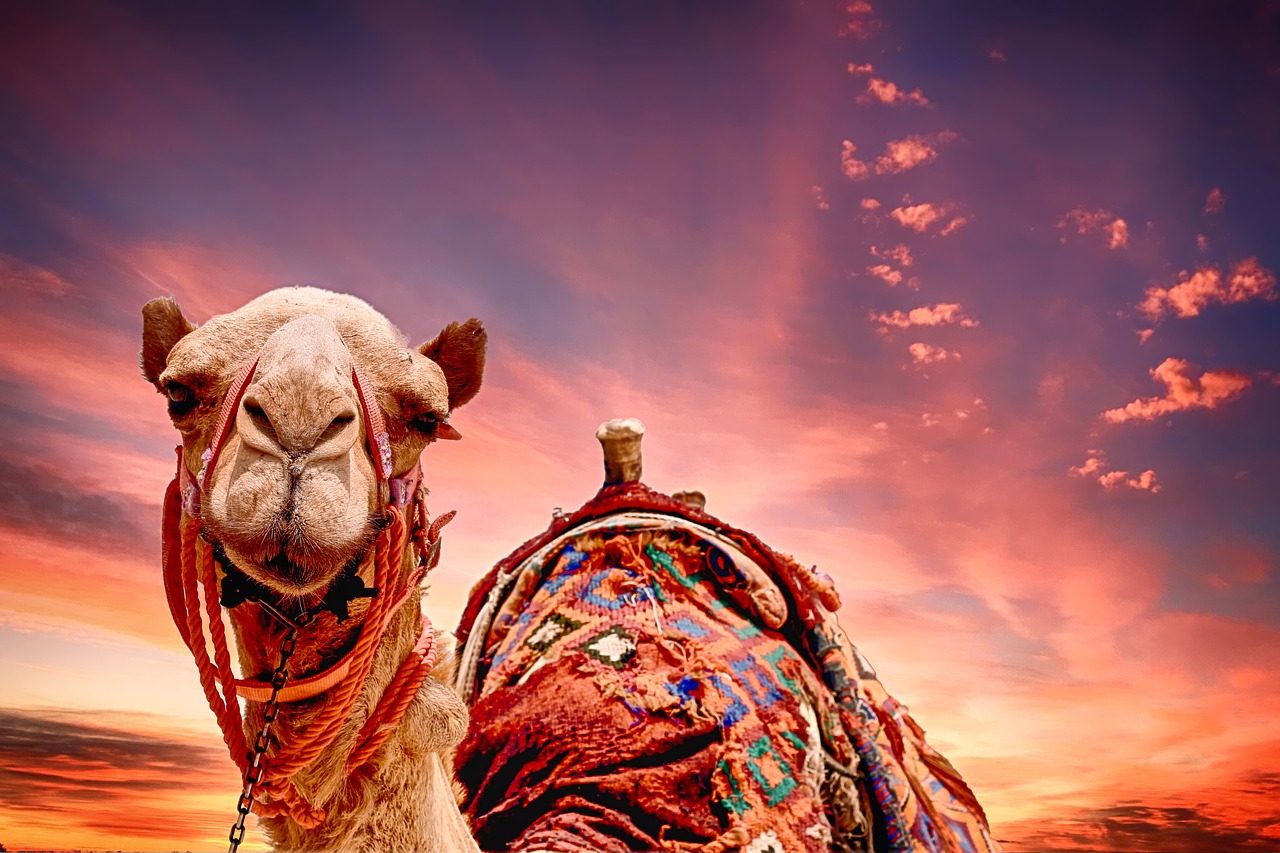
column 288, row 571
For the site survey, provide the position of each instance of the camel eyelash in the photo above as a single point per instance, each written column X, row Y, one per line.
column 427, row 424
column 181, row 399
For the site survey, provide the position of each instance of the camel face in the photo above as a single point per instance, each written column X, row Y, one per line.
column 294, row 497
column 294, row 494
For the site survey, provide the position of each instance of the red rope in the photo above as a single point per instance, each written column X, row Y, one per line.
column 232, row 735
column 299, row 750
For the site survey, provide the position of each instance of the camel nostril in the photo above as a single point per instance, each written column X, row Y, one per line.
column 336, row 426
column 261, row 419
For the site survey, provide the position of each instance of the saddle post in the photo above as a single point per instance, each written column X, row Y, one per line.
column 620, row 439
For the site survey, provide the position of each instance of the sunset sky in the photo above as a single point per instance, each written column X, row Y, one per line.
column 972, row 305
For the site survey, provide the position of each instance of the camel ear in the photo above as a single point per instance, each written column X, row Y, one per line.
column 162, row 326
column 459, row 350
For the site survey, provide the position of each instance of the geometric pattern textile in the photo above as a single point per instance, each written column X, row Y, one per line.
column 643, row 676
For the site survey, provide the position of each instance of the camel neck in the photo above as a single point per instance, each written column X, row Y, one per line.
column 403, row 799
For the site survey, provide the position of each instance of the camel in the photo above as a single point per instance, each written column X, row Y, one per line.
column 640, row 676
column 298, row 505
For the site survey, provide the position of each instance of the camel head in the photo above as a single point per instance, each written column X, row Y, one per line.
column 293, row 497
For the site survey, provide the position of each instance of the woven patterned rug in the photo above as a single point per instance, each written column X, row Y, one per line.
column 644, row 677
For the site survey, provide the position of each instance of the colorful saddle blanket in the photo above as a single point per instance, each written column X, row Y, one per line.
column 645, row 677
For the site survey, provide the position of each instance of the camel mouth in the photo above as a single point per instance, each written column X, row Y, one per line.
column 296, row 577
column 292, row 565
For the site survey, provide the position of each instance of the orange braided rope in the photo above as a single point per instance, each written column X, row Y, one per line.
column 232, row 734
column 404, row 686
column 324, row 729
column 217, row 678
column 335, row 712
column 222, row 655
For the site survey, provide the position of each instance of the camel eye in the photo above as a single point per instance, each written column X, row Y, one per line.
column 426, row 424
column 181, row 398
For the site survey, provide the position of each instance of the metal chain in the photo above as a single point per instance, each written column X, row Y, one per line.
column 270, row 711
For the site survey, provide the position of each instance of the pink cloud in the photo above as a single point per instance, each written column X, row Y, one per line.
column 911, row 151
column 1247, row 280
column 1093, row 469
column 887, row 274
column 1216, row 201
column 941, row 314
column 918, row 217
column 1146, row 481
column 17, row 276
column 923, row 215
column 855, row 68
column 1182, row 392
column 1115, row 229
column 1089, row 467
column 899, row 253
column 900, row 155
column 820, row 197
column 862, row 20
column 1202, row 242
column 1144, row 335
column 870, row 203
column 94, row 375
column 887, row 92
column 853, row 168
column 922, row 354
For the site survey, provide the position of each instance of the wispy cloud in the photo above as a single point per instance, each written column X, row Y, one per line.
column 39, row 499
column 17, row 276
column 1183, row 391
column 910, row 152
column 890, row 275
column 1216, row 201
column 943, row 313
column 900, row 155
column 888, row 92
column 853, row 168
column 922, row 354
column 1169, row 824
column 900, row 253
column 1090, row 467
column 862, row 21
column 1094, row 468
column 1247, row 280
column 922, row 217
column 1146, row 481
column 820, row 197
column 887, row 274
column 67, row 775
column 1114, row 229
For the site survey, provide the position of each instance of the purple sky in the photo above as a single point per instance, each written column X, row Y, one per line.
column 973, row 307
